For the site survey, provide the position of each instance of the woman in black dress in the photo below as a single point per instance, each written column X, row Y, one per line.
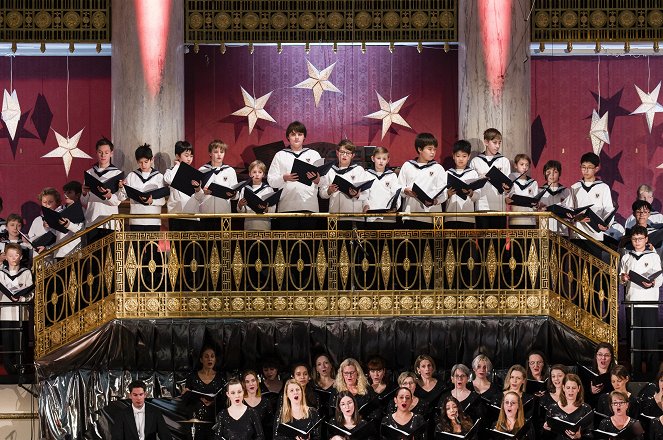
column 429, row 389
column 656, row 429
column 619, row 379
column 469, row 401
column 323, row 383
column 651, row 405
column 347, row 423
column 599, row 383
column 620, row 420
column 238, row 421
column 201, row 392
column 300, row 372
column 537, row 369
column 555, row 385
column 452, row 418
column 350, row 377
column 516, row 381
column 254, row 399
column 408, row 380
column 572, row 409
column 296, row 413
column 403, row 419
column 512, row 417
column 482, row 368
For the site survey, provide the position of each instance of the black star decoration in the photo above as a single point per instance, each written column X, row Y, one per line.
column 610, row 172
column 611, row 105
column 21, row 132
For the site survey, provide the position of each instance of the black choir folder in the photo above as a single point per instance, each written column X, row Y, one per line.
column 536, row 386
column 257, row 203
column 143, row 196
column 17, row 294
column 595, row 221
column 287, row 430
column 641, row 279
column 392, row 204
column 461, row 186
column 113, row 184
column 185, row 175
column 522, row 432
column 630, row 432
column 361, row 431
column 454, row 436
column 393, row 433
column 588, row 375
column 225, row 192
column 560, row 426
column 301, row 168
column 423, row 197
column 73, row 213
column 497, row 178
column 568, row 214
column 346, row 186
column 525, row 201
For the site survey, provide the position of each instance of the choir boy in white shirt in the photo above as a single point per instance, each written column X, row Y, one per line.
column 491, row 199
column 555, row 193
column 384, row 188
column 455, row 203
column 145, row 179
column 259, row 187
column 221, row 174
column 523, row 185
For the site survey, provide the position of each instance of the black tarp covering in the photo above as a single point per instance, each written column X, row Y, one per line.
column 78, row 381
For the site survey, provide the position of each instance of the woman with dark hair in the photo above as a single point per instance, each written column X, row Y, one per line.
column 599, row 382
column 238, row 421
column 572, row 409
column 270, row 374
column 253, row 399
column 403, row 419
column 377, row 375
column 323, row 383
column 347, row 423
column 295, row 413
column 201, row 391
column 620, row 420
column 300, row 372
column 619, row 379
column 452, row 418
column 408, row 380
column 429, row 389
column 469, row 400
column 557, row 374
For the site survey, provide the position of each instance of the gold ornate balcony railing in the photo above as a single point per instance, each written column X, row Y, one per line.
column 331, row 272
column 308, row 21
column 55, row 21
column 597, row 20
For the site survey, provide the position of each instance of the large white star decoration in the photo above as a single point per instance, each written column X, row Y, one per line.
column 254, row 109
column 389, row 113
column 650, row 105
column 68, row 149
column 598, row 133
column 318, row 81
column 11, row 112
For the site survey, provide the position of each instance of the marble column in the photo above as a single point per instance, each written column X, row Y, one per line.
column 494, row 72
column 147, row 79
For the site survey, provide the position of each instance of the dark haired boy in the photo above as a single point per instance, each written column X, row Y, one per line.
column 179, row 202
column 643, row 261
column 456, row 204
column 139, row 421
column 145, row 179
column 490, row 198
column 72, row 191
column 555, row 193
column 296, row 196
column 645, row 193
column 97, row 208
column 523, row 185
column 429, row 175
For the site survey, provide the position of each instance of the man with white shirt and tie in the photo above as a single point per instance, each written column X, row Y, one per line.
column 140, row 422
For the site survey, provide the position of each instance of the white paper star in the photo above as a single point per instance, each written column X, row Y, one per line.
column 598, row 133
column 68, row 149
column 650, row 105
column 318, row 81
column 389, row 113
column 11, row 112
column 254, row 109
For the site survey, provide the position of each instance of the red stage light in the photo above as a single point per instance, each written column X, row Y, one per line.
column 152, row 21
column 495, row 20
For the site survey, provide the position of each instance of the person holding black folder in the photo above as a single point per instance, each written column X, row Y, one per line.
column 511, row 419
column 596, row 380
column 145, row 189
column 237, row 421
column 403, row 423
column 452, row 418
column 555, row 387
column 101, row 200
column 640, row 271
column 619, row 377
column 262, row 401
column 651, row 405
column 296, row 420
column 571, row 409
column 202, row 388
column 469, row 400
column 218, row 174
column 350, row 377
column 429, row 388
column 620, row 423
column 347, row 422
column 261, row 190
column 384, row 194
column 461, row 200
column 526, row 187
column 65, row 227
column 408, row 380
column 187, row 200
column 555, row 193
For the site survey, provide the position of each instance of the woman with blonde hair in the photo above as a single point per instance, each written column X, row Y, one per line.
column 350, row 377
column 296, row 413
column 512, row 416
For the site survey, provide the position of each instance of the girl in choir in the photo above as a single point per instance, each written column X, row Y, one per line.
column 404, row 419
column 295, row 412
column 557, row 374
column 261, row 405
column 377, row 373
column 512, row 416
column 300, row 373
column 238, row 421
column 452, row 418
column 348, row 419
column 571, row 408
column 620, row 419
column 619, row 379
column 604, row 360
column 208, row 382
column 482, row 385
column 429, row 389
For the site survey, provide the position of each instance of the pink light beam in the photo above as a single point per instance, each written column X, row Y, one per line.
column 495, row 21
column 152, row 20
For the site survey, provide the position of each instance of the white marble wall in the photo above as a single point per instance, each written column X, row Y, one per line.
column 478, row 107
column 137, row 116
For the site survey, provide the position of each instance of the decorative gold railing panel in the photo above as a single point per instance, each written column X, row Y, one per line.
column 597, row 20
column 313, row 21
column 237, row 273
column 52, row 21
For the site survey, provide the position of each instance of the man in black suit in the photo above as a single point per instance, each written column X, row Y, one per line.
column 140, row 422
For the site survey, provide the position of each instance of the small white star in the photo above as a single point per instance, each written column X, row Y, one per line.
column 318, row 81
column 389, row 113
column 68, row 149
column 598, row 133
column 11, row 112
column 254, row 109
column 650, row 105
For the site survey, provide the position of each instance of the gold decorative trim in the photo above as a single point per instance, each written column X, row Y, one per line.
column 215, row 265
column 130, row 266
column 19, row 416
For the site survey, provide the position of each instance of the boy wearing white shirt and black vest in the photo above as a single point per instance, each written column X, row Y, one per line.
column 455, row 203
column 429, row 176
column 384, row 188
column 179, row 202
column 523, row 185
column 221, row 174
column 645, row 262
column 555, row 193
column 145, row 179
column 257, row 170
column 491, row 199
